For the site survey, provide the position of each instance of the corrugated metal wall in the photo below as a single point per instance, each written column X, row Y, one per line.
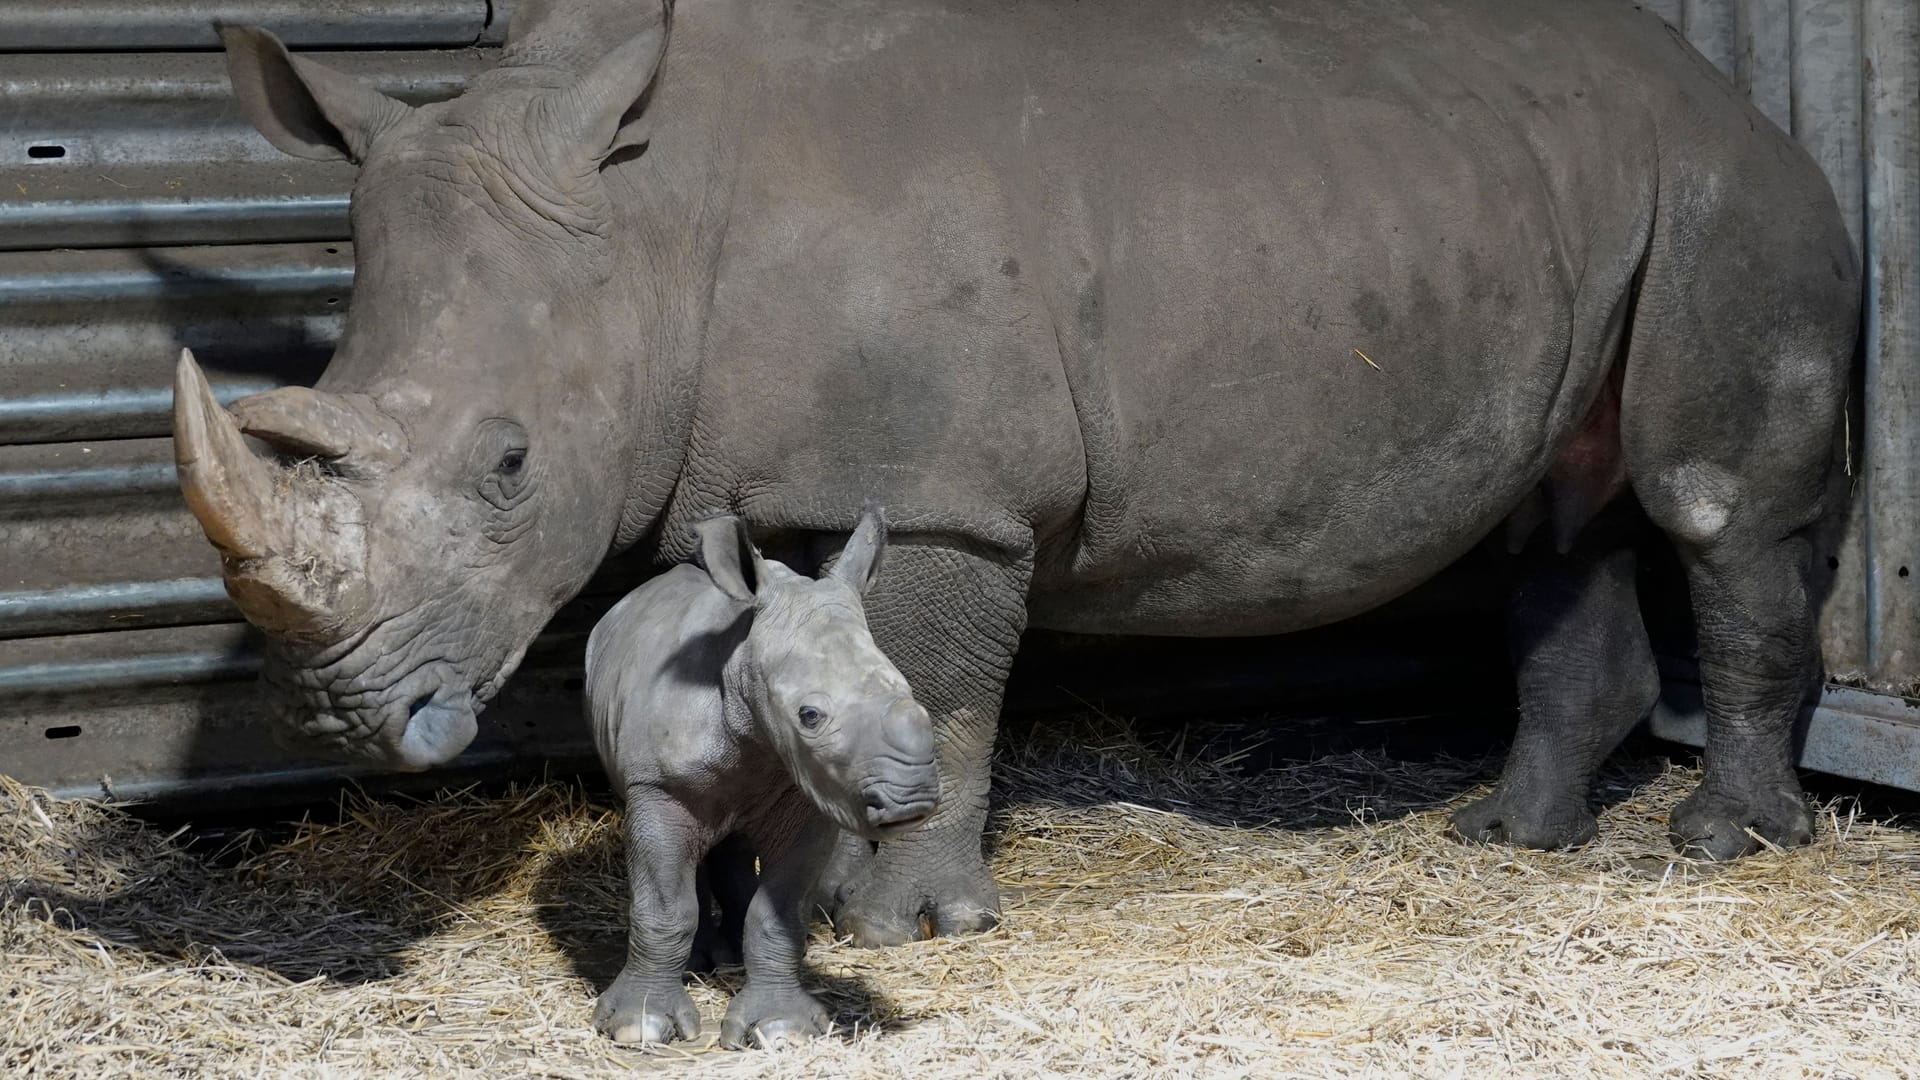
column 138, row 213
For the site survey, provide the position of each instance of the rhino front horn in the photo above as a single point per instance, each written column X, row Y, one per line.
column 227, row 487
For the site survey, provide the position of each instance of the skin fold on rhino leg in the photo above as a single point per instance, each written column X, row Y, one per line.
column 950, row 619
column 1586, row 676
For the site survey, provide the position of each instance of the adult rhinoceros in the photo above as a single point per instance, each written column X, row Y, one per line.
column 1196, row 318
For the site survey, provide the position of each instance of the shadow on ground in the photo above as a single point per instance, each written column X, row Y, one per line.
column 340, row 902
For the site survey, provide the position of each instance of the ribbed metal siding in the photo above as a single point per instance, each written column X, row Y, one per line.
column 97, row 25
column 1891, row 441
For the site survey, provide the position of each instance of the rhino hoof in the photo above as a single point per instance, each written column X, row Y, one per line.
column 630, row 1013
column 1721, row 827
column 880, row 913
column 769, row 1021
column 1497, row 820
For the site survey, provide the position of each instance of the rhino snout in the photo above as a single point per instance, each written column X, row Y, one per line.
column 900, row 798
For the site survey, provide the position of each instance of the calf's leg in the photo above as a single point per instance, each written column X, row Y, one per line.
column 773, row 1008
column 647, row 1003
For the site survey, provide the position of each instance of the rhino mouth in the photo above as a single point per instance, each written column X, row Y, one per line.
column 422, row 720
column 438, row 726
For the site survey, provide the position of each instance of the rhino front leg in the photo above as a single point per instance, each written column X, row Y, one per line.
column 1586, row 676
column 950, row 619
column 773, row 1008
column 648, row 1003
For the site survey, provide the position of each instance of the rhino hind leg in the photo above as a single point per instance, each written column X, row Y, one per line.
column 1758, row 662
column 1737, row 371
column 1585, row 675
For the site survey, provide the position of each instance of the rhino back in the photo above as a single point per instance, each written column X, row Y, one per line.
column 1246, row 317
column 654, row 664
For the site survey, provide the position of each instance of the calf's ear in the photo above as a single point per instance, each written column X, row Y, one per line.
column 859, row 562
column 306, row 109
column 727, row 551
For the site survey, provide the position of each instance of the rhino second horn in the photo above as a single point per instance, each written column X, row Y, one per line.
column 313, row 423
column 228, row 488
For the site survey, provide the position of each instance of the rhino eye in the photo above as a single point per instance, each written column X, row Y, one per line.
column 810, row 717
column 512, row 462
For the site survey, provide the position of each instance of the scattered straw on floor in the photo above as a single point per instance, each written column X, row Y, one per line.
column 1170, row 911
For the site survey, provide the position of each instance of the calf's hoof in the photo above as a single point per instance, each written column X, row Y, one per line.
column 1501, row 819
column 1715, row 825
column 632, row 1012
column 878, row 912
column 770, row 1020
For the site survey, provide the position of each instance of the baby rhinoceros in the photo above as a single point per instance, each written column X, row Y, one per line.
column 745, row 698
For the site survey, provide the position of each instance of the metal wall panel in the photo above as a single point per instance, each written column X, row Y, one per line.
column 111, row 150
column 1711, row 27
column 1892, row 402
column 1827, row 110
column 189, row 24
column 84, row 335
column 1763, row 57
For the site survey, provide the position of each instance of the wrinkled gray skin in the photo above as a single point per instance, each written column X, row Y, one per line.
column 1078, row 291
column 747, row 698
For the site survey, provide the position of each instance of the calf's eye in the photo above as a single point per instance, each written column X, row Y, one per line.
column 810, row 717
column 512, row 462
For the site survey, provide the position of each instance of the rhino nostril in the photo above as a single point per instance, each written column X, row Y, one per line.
column 419, row 703
column 875, row 802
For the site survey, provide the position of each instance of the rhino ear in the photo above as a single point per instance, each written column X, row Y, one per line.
column 735, row 565
column 859, row 562
column 303, row 108
column 601, row 112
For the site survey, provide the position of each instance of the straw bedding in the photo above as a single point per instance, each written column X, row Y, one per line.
column 1175, row 906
